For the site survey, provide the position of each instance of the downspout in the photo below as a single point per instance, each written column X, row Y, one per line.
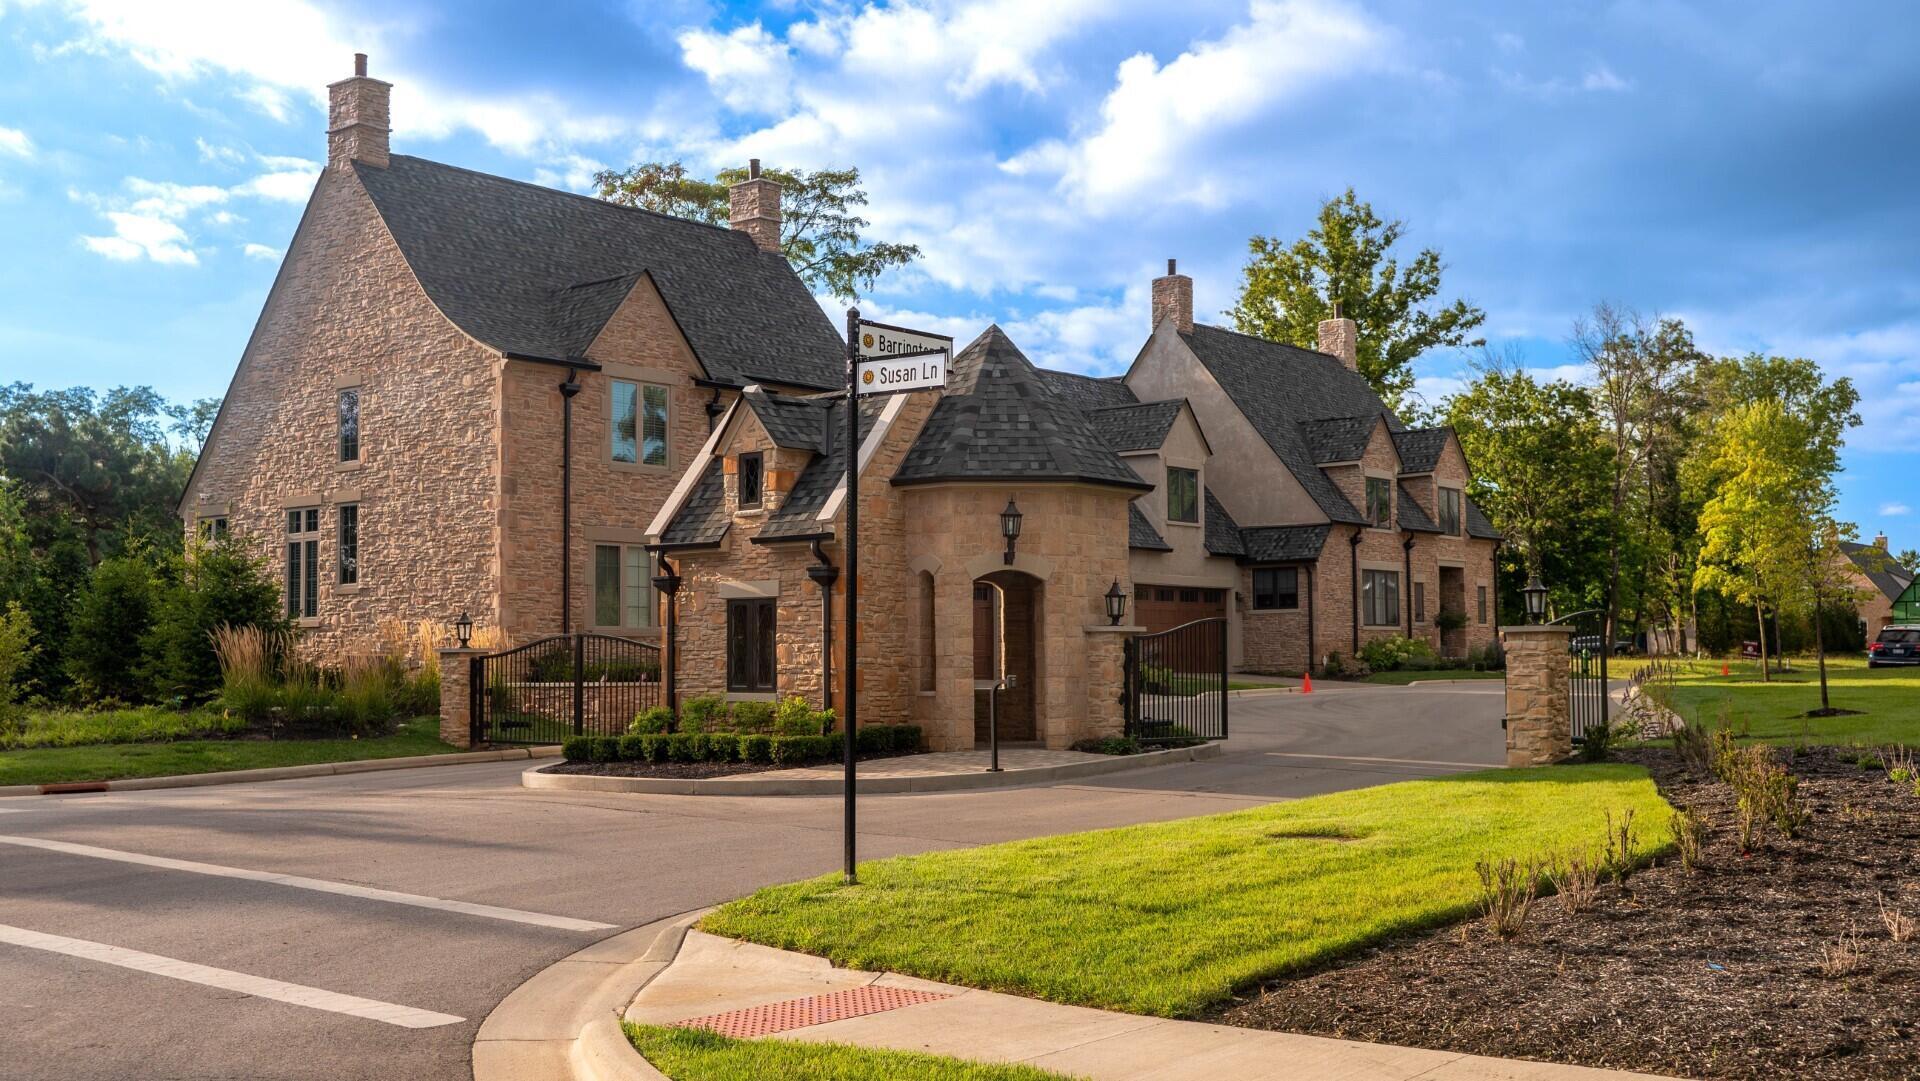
column 1493, row 588
column 1353, row 568
column 1311, row 655
column 713, row 410
column 567, row 390
column 824, row 574
column 668, row 581
column 1406, row 546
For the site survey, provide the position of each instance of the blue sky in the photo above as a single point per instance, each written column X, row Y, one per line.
column 1747, row 167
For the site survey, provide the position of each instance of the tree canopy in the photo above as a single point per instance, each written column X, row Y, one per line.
column 1346, row 258
column 821, row 231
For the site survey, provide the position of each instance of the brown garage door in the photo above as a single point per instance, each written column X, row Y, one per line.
column 1159, row 608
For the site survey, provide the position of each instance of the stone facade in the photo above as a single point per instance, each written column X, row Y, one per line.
column 1539, row 728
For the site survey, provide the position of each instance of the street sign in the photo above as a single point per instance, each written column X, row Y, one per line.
column 882, row 340
column 922, row 370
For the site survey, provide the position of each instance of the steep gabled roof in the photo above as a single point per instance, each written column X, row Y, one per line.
column 1278, row 388
column 1087, row 392
column 999, row 421
column 1338, row 439
column 797, row 423
column 799, row 513
column 1140, row 532
column 703, row 518
column 1887, row 576
column 536, row 273
column 1223, row 533
column 1411, row 515
column 1135, row 427
column 1477, row 523
column 1420, row 448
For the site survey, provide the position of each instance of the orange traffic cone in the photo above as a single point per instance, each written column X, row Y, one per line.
column 1723, row 668
column 1306, row 683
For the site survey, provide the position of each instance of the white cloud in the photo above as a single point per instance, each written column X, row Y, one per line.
column 749, row 68
column 136, row 235
column 16, row 142
column 292, row 186
column 1603, row 78
column 163, row 198
column 150, row 217
column 1894, row 510
column 225, row 155
column 261, row 251
column 573, row 172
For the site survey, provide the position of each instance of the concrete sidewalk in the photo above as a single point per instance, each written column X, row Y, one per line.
column 716, row 976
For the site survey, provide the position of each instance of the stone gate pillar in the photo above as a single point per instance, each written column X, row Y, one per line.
column 1539, row 721
column 456, row 725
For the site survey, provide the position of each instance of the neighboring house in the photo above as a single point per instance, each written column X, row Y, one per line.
column 470, row 393
column 1221, row 477
column 1887, row 588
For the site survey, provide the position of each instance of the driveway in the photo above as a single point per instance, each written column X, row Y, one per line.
column 363, row 926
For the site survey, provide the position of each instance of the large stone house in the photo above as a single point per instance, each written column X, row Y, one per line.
column 1222, row 476
column 466, row 393
column 1883, row 584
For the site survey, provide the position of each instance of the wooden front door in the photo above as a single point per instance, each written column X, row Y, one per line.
column 1003, row 644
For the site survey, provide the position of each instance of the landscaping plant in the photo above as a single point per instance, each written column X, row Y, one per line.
column 1576, row 881
column 1620, row 858
column 1508, row 888
column 1900, row 926
column 1689, row 834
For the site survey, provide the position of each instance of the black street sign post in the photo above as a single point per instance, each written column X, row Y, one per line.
column 898, row 363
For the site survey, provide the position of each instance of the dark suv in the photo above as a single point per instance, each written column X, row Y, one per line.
column 1896, row 645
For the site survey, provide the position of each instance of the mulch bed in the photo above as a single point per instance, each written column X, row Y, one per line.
column 1710, row 973
column 691, row 770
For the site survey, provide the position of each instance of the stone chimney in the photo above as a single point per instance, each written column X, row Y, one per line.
column 1173, row 299
column 1340, row 337
column 1880, row 542
column 753, row 207
column 357, row 119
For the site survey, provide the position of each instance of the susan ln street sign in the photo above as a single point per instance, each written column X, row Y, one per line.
column 907, row 371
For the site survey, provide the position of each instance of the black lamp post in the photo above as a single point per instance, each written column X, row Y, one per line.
column 1010, row 528
column 1116, row 603
column 1536, row 595
column 463, row 628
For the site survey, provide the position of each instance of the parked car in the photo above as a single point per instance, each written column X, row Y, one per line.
column 1590, row 643
column 1895, row 646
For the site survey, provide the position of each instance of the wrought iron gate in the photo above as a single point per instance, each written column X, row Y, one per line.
column 564, row 685
column 1587, row 650
column 1176, row 683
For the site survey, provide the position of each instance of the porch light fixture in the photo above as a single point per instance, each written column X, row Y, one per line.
column 1010, row 528
column 1116, row 603
column 1536, row 595
column 463, row 628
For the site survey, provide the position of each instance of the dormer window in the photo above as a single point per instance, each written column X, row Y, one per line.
column 1450, row 511
column 748, row 475
column 1183, row 495
column 1380, row 502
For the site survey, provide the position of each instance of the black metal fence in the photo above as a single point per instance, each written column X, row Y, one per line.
column 564, row 685
column 1176, row 683
column 1586, row 673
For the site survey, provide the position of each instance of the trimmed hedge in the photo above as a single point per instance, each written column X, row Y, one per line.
column 754, row 747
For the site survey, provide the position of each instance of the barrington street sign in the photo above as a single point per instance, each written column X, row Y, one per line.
column 925, row 370
column 880, row 340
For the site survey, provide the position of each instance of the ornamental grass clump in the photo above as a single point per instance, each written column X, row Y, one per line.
column 1508, row 888
column 250, row 659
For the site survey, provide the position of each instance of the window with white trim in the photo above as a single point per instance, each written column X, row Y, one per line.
column 303, row 563
column 1380, row 598
column 622, row 588
column 639, row 423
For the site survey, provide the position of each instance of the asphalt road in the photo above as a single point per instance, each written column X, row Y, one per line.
column 92, row 913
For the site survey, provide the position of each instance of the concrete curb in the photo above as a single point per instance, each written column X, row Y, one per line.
column 1444, row 682
column 564, row 1023
column 279, row 773
column 765, row 784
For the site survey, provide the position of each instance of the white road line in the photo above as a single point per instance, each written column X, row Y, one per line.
column 1356, row 758
column 320, row 885
column 257, row 986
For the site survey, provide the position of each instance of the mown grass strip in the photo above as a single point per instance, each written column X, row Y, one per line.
column 698, row 1055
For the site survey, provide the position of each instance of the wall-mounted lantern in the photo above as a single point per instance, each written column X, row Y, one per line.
column 463, row 628
column 1116, row 603
column 1010, row 528
column 1536, row 595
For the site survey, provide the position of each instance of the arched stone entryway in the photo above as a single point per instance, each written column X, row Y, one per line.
column 1006, row 632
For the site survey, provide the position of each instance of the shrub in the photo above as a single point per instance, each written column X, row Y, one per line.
column 753, row 717
column 906, row 737
column 795, row 718
column 687, row 746
column 633, row 747
column 139, row 724
column 1107, row 745
column 706, row 713
column 1450, row 619
column 1689, row 836
column 365, row 703
column 1387, row 654
column 755, row 747
column 1507, row 892
column 826, row 719
column 1620, row 858
column 1900, row 926
column 1576, row 882
column 577, row 749
column 604, row 749
column 800, row 750
column 873, row 739
column 111, row 616
column 16, row 652
column 213, row 585
column 650, row 721
column 723, row 746
column 1597, row 742
column 1339, row 667
column 1694, row 746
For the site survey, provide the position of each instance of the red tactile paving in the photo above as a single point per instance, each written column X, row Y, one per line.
column 811, row 1010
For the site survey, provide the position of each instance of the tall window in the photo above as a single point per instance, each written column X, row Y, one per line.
column 1419, row 602
column 750, row 627
column 1380, row 598
column 622, row 588
column 1380, row 502
column 349, row 543
column 303, row 563
column 1183, row 495
column 350, row 424
column 1450, row 511
column 748, row 474
column 639, row 423
column 926, row 632
column 1483, row 603
column 1276, row 588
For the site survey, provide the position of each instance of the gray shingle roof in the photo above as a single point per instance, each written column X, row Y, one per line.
column 1419, row 448
column 1338, row 439
column 703, row 518
column 998, row 421
column 537, row 272
column 1134, row 427
column 1887, row 576
column 799, row 423
column 1087, row 392
column 1223, row 533
column 1140, row 532
column 1410, row 515
column 1477, row 523
column 1278, row 387
column 1284, row 543
column 798, row 515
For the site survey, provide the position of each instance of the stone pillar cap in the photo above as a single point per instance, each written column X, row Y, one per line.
column 1537, row 628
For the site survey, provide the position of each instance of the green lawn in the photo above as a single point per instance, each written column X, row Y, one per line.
column 107, row 762
column 137, row 724
column 1404, row 676
column 1888, row 700
column 698, row 1055
column 1172, row 917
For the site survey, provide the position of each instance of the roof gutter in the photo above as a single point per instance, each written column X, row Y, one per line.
column 581, row 363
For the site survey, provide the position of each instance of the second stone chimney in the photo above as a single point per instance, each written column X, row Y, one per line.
column 1340, row 337
column 753, row 207
column 1173, row 299
column 1880, row 542
column 357, row 119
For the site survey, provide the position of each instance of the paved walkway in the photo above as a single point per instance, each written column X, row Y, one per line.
column 721, row 982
